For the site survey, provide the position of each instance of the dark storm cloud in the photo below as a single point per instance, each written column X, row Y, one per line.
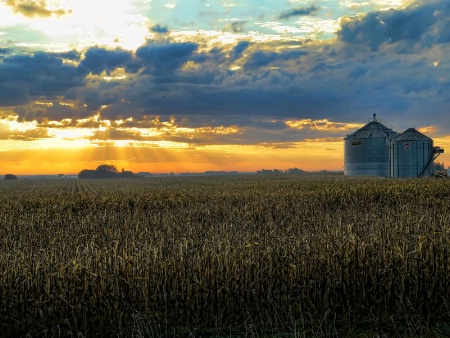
column 261, row 96
column 121, row 110
column 262, row 59
column 25, row 77
column 240, row 47
column 419, row 25
column 165, row 58
column 12, row 94
column 159, row 29
column 27, row 67
column 72, row 55
column 214, row 56
column 212, row 90
column 236, row 26
column 36, row 8
column 96, row 60
column 94, row 99
column 346, row 80
column 58, row 111
column 444, row 34
column 311, row 10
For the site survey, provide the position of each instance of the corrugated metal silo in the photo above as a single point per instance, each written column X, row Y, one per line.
column 367, row 150
column 412, row 154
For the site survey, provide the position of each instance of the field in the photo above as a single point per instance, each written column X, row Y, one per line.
column 243, row 256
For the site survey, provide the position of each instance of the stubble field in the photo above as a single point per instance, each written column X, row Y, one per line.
column 249, row 255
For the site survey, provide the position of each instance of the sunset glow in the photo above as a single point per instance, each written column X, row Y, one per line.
column 192, row 86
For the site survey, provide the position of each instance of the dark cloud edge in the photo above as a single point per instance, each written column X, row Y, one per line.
column 157, row 65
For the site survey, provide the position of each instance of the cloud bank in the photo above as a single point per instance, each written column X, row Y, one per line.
column 191, row 90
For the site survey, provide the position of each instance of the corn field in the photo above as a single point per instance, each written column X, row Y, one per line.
column 250, row 255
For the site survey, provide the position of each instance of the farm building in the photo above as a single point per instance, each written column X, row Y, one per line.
column 377, row 150
column 366, row 150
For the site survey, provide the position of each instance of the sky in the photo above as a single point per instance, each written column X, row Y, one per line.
column 200, row 85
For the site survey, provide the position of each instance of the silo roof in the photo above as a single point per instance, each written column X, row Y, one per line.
column 412, row 134
column 373, row 129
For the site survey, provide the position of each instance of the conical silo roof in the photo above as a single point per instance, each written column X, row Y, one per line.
column 373, row 129
column 412, row 134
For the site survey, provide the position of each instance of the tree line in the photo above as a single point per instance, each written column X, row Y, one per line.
column 105, row 171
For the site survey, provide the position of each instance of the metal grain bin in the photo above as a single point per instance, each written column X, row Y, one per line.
column 412, row 154
column 367, row 150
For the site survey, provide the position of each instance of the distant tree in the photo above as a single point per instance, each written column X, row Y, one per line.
column 295, row 171
column 127, row 174
column 105, row 171
column 86, row 173
column 265, row 171
column 10, row 177
column 269, row 171
column 107, row 167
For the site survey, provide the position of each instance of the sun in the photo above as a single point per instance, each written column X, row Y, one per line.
column 87, row 22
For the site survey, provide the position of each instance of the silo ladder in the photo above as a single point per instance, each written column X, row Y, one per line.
column 436, row 152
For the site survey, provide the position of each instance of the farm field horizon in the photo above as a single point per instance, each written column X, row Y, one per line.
column 247, row 255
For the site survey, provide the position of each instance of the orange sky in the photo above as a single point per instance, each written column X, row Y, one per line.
column 193, row 86
column 307, row 156
column 33, row 149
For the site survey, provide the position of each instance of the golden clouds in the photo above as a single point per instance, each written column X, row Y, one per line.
column 380, row 4
column 36, row 8
column 69, row 145
column 323, row 125
column 218, row 130
column 151, row 144
column 143, row 133
column 31, row 134
column 149, row 131
column 11, row 129
column 427, row 129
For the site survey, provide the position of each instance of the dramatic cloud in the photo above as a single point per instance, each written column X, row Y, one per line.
column 298, row 12
column 239, row 48
column 419, row 26
column 53, row 111
column 236, row 26
column 36, row 8
column 166, row 58
column 159, row 29
column 96, row 60
column 30, row 135
column 4, row 51
column 262, row 59
column 198, row 88
column 12, row 95
column 41, row 75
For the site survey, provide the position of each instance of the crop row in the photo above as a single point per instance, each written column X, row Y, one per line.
column 219, row 252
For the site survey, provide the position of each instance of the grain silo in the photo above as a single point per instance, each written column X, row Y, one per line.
column 412, row 154
column 367, row 150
